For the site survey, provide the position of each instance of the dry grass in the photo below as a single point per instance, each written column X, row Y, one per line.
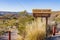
column 36, row 30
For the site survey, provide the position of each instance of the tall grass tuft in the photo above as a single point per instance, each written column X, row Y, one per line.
column 36, row 30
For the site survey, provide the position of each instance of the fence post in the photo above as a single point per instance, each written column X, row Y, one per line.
column 9, row 35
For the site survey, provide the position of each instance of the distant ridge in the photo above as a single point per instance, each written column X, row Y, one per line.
column 7, row 12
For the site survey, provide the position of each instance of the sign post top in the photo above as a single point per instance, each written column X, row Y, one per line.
column 41, row 10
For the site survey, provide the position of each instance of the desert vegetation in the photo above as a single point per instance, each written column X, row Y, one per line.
column 28, row 27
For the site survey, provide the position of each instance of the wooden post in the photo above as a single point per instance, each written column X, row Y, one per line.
column 54, row 29
column 46, row 26
column 9, row 34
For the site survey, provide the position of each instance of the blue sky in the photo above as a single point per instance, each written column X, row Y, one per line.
column 20, row 5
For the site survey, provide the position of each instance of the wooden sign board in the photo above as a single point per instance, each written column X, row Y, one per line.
column 41, row 12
